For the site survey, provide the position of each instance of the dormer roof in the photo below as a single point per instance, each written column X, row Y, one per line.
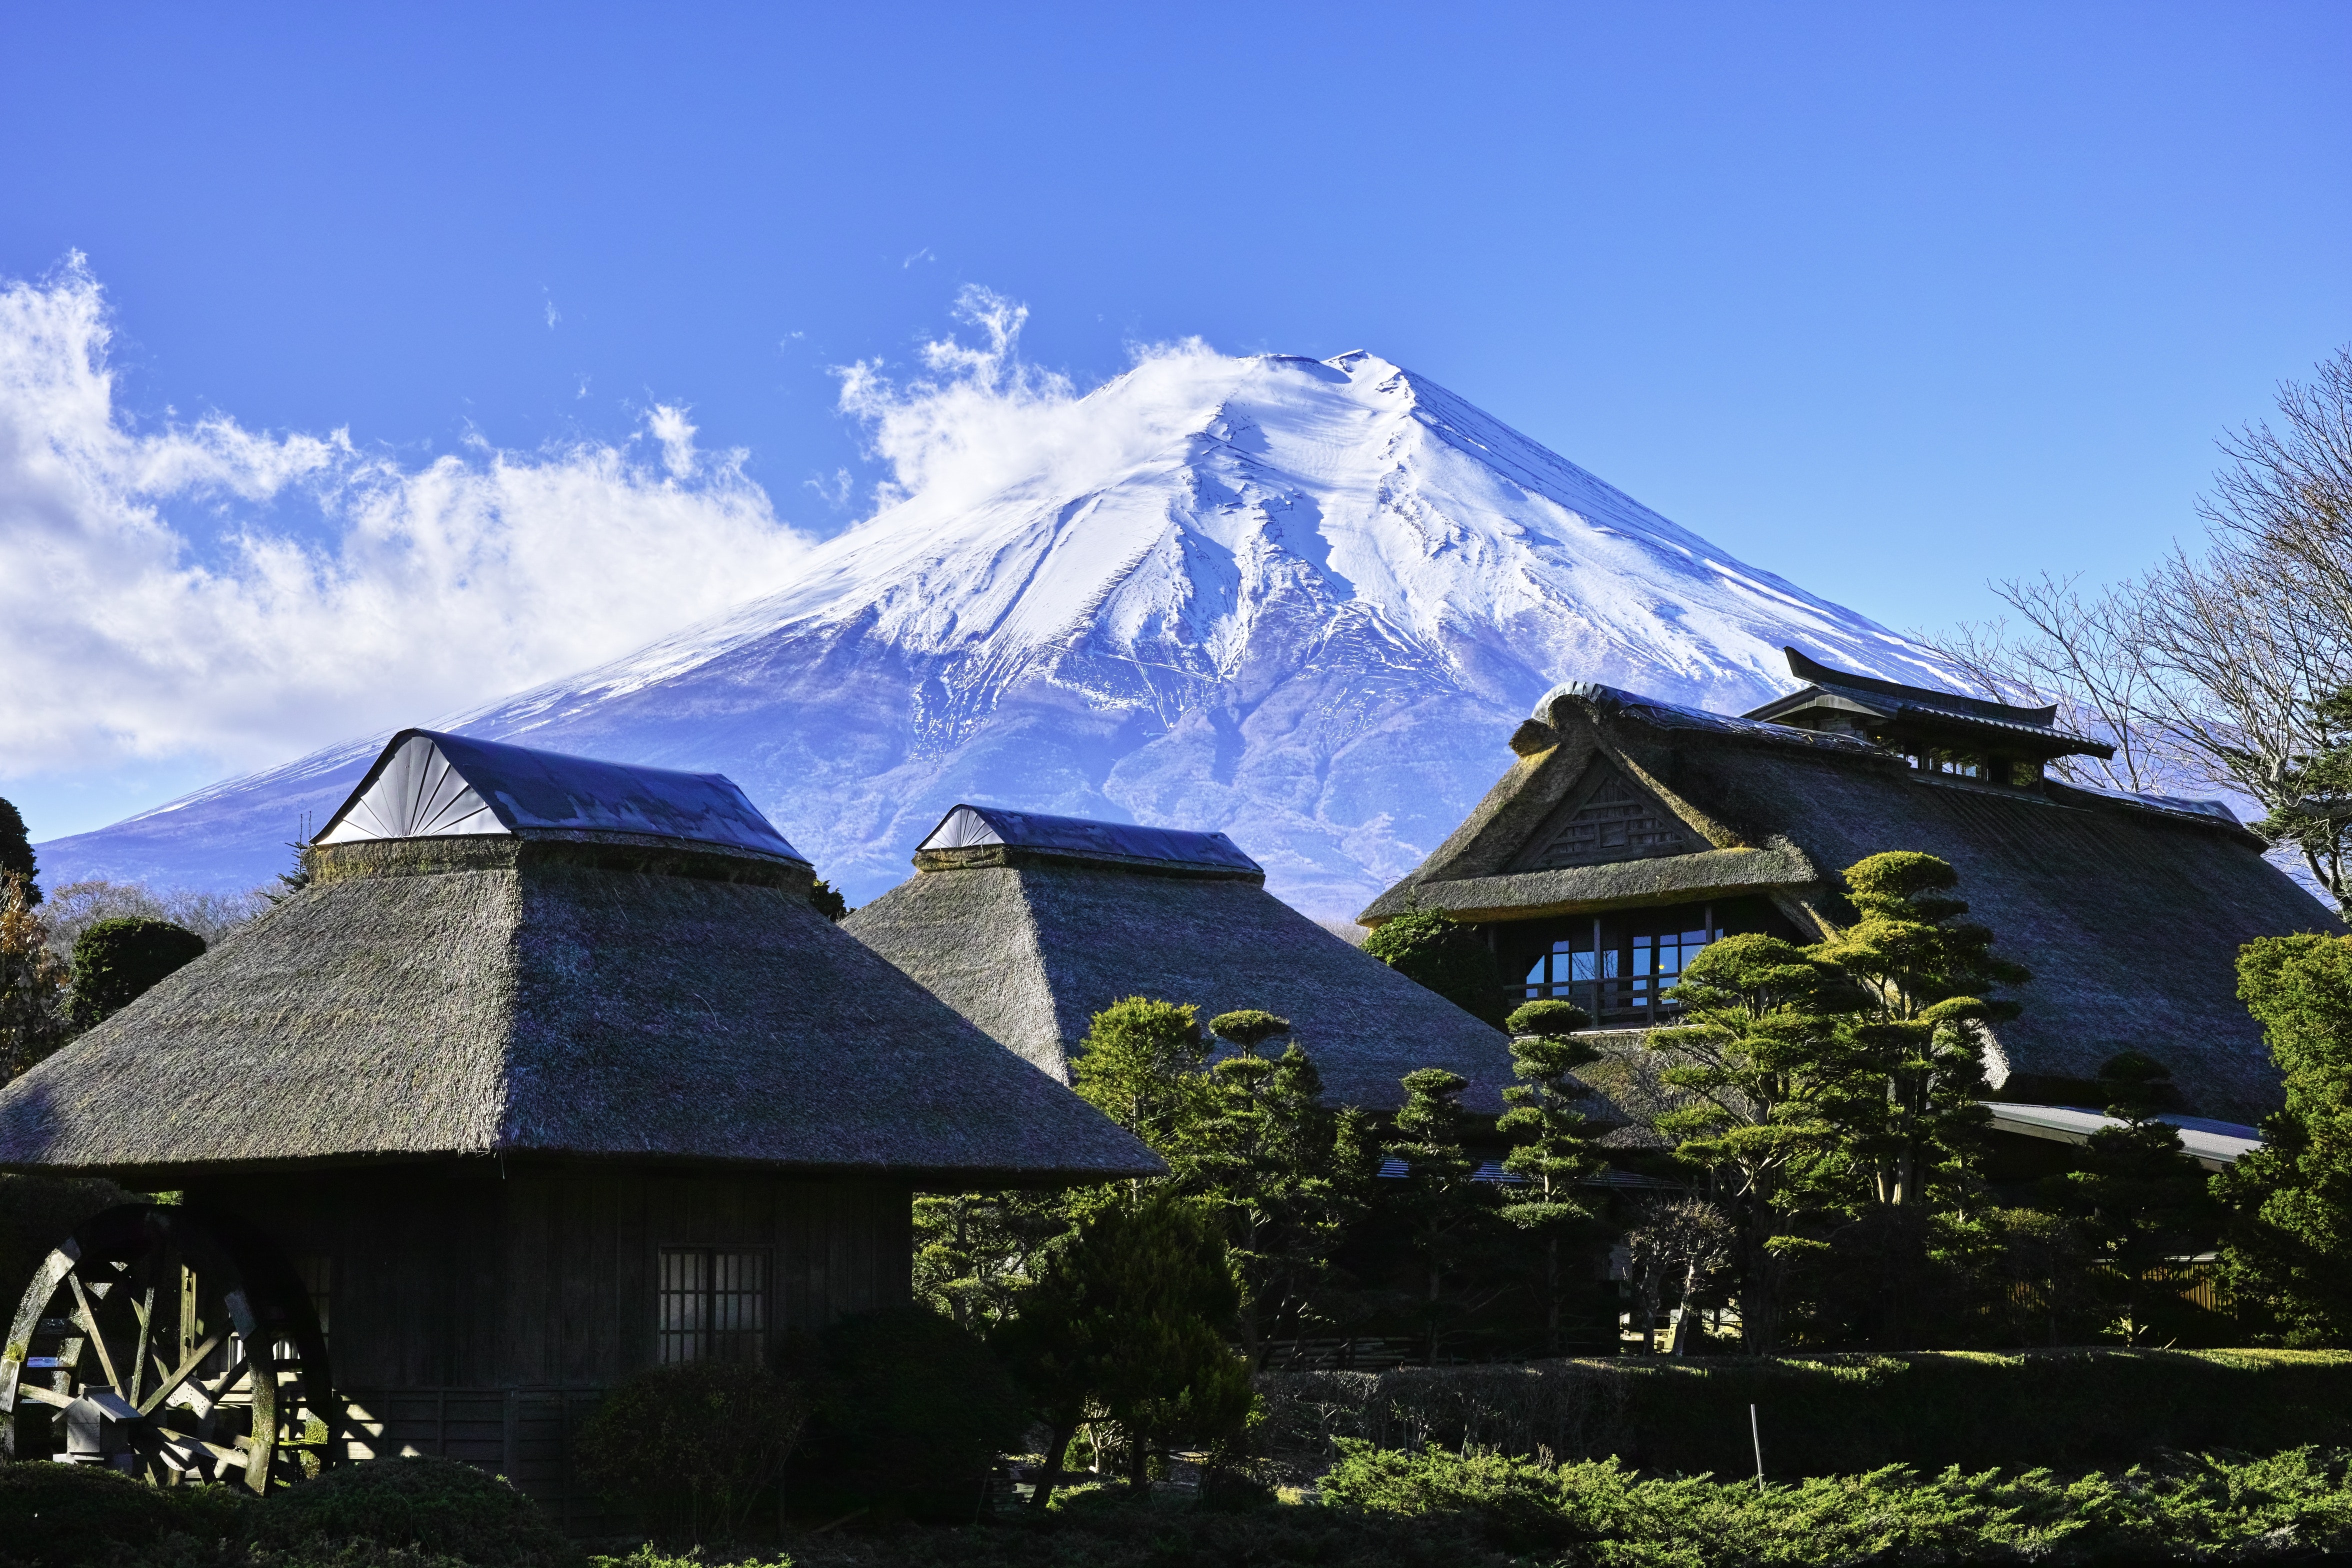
column 990, row 835
column 429, row 784
column 1919, row 713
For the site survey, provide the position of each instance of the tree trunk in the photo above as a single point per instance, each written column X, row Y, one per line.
column 1552, row 1295
column 1139, row 1462
column 1057, row 1449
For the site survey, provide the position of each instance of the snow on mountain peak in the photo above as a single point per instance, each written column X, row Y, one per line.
column 1299, row 600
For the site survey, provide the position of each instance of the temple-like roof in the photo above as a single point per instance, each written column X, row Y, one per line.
column 1031, row 834
column 1029, row 946
column 427, row 784
column 2129, row 910
column 562, row 990
column 2030, row 731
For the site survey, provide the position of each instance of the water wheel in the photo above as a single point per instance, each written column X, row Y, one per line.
column 170, row 1344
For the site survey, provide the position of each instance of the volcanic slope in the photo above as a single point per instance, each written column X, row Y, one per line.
column 1302, row 601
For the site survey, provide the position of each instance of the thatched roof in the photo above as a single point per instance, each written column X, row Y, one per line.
column 553, row 993
column 1031, row 935
column 2128, row 909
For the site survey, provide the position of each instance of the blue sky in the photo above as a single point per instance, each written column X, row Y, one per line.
column 1891, row 299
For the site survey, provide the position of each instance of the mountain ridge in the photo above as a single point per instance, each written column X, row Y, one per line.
column 1302, row 601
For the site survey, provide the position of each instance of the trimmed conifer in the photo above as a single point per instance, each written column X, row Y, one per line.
column 1555, row 1148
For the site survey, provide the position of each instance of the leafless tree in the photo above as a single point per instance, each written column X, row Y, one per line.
column 2227, row 668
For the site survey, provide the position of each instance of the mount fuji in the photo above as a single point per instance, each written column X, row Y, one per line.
column 1301, row 600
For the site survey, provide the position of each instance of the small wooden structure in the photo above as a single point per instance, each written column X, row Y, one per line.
column 551, row 1073
column 1028, row 925
column 1628, row 834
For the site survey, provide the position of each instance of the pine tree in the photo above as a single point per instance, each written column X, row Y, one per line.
column 1916, row 1072
column 16, row 857
column 1445, row 1215
column 1757, row 1055
column 2141, row 1198
column 1129, row 1322
column 2288, row 1240
column 1433, row 947
column 33, row 996
column 292, row 882
column 1555, row 1150
column 975, row 1252
column 1141, row 1066
column 1263, row 1156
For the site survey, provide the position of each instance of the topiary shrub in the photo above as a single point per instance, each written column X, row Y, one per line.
column 911, row 1414
column 1433, row 948
column 435, row 1506
column 115, row 962
column 71, row 1515
column 694, row 1447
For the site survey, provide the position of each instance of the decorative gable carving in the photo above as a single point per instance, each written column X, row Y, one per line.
column 1606, row 818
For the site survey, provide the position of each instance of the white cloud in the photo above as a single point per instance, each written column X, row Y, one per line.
column 122, row 637
column 983, row 418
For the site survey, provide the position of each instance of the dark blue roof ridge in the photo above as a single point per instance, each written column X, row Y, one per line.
column 1816, row 673
column 1087, row 837
column 527, row 789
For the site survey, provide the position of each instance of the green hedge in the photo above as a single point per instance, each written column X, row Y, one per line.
column 1832, row 1414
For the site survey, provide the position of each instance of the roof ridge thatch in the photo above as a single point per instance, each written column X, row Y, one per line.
column 560, row 996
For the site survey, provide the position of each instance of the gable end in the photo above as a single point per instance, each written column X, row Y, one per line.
column 1607, row 817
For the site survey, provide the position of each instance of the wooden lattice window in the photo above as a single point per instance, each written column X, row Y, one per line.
column 714, row 1304
column 1615, row 822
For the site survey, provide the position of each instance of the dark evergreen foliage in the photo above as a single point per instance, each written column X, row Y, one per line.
column 439, row 1509
column 1432, row 947
column 910, row 1412
column 1554, row 1147
column 694, row 1448
column 2289, row 1233
column 17, row 856
column 116, row 961
column 1131, row 1324
column 826, row 900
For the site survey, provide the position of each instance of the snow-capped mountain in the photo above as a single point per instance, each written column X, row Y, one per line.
column 1301, row 600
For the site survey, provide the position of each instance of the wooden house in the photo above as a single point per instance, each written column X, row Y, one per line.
column 551, row 1074
column 1627, row 833
column 1028, row 925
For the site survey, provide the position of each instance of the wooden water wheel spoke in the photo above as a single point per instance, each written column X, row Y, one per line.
column 176, row 1379
column 145, row 1284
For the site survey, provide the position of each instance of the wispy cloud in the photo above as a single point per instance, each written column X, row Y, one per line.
column 126, row 634
column 980, row 418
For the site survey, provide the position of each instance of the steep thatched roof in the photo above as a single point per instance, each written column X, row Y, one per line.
column 535, row 993
column 1029, row 935
column 2128, row 909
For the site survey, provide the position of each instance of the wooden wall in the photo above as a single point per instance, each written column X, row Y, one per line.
column 465, row 1306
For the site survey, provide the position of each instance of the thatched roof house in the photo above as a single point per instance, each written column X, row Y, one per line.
column 506, row 953
column 550, row 1074
column 1028, row 925
column 1629, row 832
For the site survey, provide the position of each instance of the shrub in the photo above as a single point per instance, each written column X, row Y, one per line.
column 1835, row 1415
column 696, row 1446
column 1433, row 948
column 435, row 1506
column 58, row 1516
column 115, row 962
column 911, row 1414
